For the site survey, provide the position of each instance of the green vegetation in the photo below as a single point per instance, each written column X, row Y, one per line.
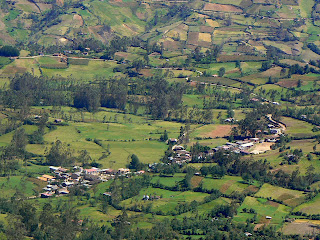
column 160, row 120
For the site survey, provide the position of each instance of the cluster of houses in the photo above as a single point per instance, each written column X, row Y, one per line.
column 243, row 147
column 181, row 155
column 62, row 179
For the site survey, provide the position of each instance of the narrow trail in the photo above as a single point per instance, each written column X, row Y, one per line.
column 282, row 126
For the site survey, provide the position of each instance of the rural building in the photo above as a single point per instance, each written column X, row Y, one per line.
column 177, row 147
column 46, row 195
column 123, row 170
column 46, row 178
column 275, row 131
column 63, row 191
column 92, row 171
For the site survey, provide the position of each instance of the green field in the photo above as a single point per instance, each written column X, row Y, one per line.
column 168, row 199
column 16, row 184
column 287, row 196
column 82, row 72
column 298, row 128
column 310, row 207
column 226, row 185
column 263, row 208
column 168, row 181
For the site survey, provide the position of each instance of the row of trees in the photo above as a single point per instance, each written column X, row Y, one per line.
column 26, row 90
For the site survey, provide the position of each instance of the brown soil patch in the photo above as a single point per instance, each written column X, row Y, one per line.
column 286, row 196
column 301, row 228
column 226, row 186
column 78, row 18
column 40, row 184
column 13, row 70
column 262, row 147
column 171, row 45
column 60, row 2
column 206, row 29
column 272, row 72
column 257, row 226
column 129, row 28
column 6, row 37
column 195, row 181
column 265, row 221
column 193, row 84
column 193, row 37
column 140, row 15
column 204, row 44
column 220, row 8
column 288, row 83
column 233, row 71
column 146, row 72
column 220, row 131
column 273, row 204
column 44, row 6
column 252, row 188
column 121, row 54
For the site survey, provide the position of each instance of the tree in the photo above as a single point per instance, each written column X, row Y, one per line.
column 84, row 157
column 9, row 51
column 204, row 170
column 87, row 96
column 19, row 142
column 135, row 163
column 15, row 228
column 60, row 155
column 122, row 225
column 299, row 83
column 164, row 136
column 138, row 64
column 221, row 72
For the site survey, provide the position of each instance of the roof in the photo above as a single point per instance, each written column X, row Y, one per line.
column 64, row 191
column 46, row 194
column 247, row 145
column 124, row 170
column 42, row 179
column 48, row 176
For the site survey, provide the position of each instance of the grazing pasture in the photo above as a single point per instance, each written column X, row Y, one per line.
column 287, row 196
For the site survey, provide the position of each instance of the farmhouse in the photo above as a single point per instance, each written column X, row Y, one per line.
column 172, row 140
column 246, row 145
column 92, row 171
column 123, row 170
column 46, row 195
column 63, row 191
column 58, row 120
column 46, row 178
column 177, row 147
column 275, row 131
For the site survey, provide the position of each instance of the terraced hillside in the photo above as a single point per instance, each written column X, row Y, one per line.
column 241, row 28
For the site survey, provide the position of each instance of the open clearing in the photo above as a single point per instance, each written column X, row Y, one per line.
column 220, row 8
column 290, row 197
column 264, row 208
column 205, row 37
column 301, row 227
column 310, row 207
column 297, row 128
column 227, row 184
column 261, row 147
column 213, row 131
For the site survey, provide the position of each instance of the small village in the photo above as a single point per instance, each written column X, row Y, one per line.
column 63, row 179
column 255, row 145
